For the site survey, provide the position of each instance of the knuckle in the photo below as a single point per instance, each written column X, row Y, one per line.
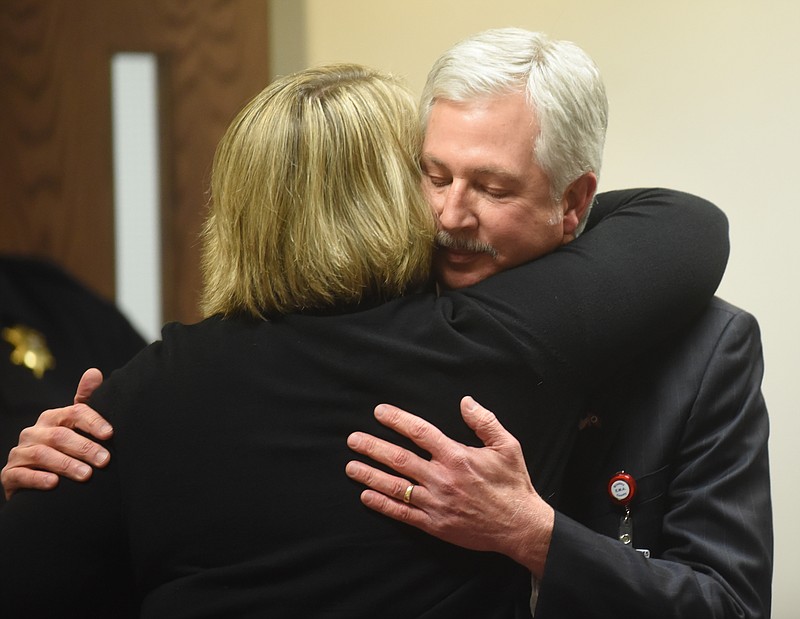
column 404, row 513
column 51, row 416
column 12, row 456
column 459, row 460
column 94, row 422
column 367, row 476
column 60, row 432
column 37, row 455
column 419, row 430
column 448, row 488
column 487, row 421
column 398, row 488
column 85, row 448
column 82, row 412
column 369, row 445
column 62, row 464
column 25, row 434
column 399, row 458
column 393, row 415
column 452, row 485
column 61, row 435
column 63, row 438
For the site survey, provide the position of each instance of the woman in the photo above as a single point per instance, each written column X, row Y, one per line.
column 317, row 238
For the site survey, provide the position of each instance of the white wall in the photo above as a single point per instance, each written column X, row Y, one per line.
column 704, row 97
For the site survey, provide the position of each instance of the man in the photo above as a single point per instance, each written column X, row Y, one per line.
column 685, row 429
column 688, row 423
column 480, row 179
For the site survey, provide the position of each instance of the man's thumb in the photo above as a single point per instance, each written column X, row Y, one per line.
column 483, row 422
column 91, row 380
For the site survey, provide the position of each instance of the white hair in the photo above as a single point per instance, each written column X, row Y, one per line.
column 561, row 83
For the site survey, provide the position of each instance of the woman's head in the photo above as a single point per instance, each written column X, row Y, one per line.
column 315, row 197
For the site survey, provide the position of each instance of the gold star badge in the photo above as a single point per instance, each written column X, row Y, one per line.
column 30, row 349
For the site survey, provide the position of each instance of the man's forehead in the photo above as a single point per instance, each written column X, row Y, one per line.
column 485, row 117
column 480, row 169
column 518, row 99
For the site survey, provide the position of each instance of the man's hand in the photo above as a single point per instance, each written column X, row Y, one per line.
column 478, row 498
column 52, row 446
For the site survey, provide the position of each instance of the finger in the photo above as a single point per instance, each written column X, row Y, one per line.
column 61, row 440
column 404, row 512
column 423, row 433
column 76, row 416
column 395, row 457
column 76, row 449
column 484, row 423
column 15, row 478
column 85, row 418
column 380, row 481
column 91, row 380
column 47, row 459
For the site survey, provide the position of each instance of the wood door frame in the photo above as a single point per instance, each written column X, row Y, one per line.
column 55, row 124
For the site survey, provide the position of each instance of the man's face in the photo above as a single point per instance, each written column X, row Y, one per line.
column 491, row 198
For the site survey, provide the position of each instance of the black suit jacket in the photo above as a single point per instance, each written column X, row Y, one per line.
column 690, row 424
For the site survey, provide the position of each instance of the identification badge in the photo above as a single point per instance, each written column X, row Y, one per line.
column 622, row 489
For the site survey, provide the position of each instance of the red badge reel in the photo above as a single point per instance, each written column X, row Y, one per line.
column 622, row 489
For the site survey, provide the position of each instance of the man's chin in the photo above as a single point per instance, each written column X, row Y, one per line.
column 453, row 280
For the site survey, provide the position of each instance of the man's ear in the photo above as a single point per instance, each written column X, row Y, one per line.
column 576, row 202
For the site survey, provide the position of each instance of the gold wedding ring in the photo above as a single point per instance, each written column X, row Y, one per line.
column 407, row 495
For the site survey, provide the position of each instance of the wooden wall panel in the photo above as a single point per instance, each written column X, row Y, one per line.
column 56, row 192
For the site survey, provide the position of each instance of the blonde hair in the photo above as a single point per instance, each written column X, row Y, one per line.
column 316, row 198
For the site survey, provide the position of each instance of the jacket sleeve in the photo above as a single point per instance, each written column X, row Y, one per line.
column 647, row 268
column 717, row 530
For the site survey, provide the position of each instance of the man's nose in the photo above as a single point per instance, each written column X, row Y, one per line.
column 456, row 210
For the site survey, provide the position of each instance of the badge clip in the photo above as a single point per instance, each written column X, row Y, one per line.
column 622, row 489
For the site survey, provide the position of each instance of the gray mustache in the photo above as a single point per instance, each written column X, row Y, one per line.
column 448, row 241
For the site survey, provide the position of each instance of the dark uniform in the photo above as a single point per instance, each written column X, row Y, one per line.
column 52, row 329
